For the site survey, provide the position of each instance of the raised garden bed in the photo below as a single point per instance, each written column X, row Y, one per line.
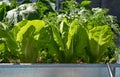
column 57, row 70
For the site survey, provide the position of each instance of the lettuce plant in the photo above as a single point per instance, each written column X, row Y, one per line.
column 76, row 34
column 27, row 35
column 8, row 46
column 99, row 39
column 91, row 18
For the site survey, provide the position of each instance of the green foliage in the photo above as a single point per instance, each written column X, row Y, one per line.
column 28, row 11
column 2, row 11
column 6, row 6
column 77, row 41
column 99, row 39
column 27, row 37
column 75, row 34
column 85, row 4
column 8, row 46
column 25, row 11
column 44, row 7
column 91, row 19
column 70, row 39
column 13, row 4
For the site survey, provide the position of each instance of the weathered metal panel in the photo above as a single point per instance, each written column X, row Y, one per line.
column 54, row 70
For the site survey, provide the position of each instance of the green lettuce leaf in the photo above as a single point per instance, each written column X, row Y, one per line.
column 27, row 37
column 100, row 38
column 77, row 41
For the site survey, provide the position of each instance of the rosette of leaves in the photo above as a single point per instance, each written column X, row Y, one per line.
column 76, row 44
column 27, row 34
column 91, row 18
column 50, row 43
column 100, row 39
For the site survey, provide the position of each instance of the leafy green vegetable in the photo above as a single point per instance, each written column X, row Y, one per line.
column 7, row 43
column 28, row 36
column 77, row 40
column 76, row 34
column 48, row 45
column 90, row 18
column 71, row 41
column 99, row 39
